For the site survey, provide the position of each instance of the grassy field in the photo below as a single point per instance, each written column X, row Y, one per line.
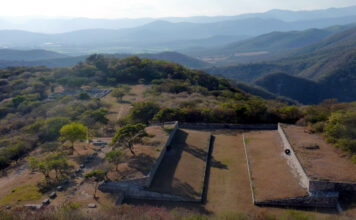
column 22, row 193
column 229, row 187
column 325, row 163
column 272, row 177
column 228, row 191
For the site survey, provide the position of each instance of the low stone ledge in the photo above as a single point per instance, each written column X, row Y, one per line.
column 130, row 191
column 316, row 200
column 316, row 185
column 227, row 126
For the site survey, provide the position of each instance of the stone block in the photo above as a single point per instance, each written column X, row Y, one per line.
column 53, row 195
column 92, row 205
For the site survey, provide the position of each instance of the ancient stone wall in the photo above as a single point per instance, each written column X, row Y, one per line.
column 321, row 193
column 249, row 171
column 154, row 168
column 227, row 126
column 316, row 199
column 316, row 185
column 207, row 169
column 293, row 160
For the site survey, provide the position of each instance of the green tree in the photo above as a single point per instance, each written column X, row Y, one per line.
column 58, row 162
column 115, row 156
column 41, row 166
column 74, row 132
column 18, row 100
column 49, row 131
column 341, row 130
column 118, row 93
column 96, row 176
column 143, row 112
column 83, row 96
column 90, row 117
column 128, row 135
column 166, row 114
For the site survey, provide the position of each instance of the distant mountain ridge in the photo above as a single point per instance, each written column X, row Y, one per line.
column 159, row 35
column 267, row 46
column 62, row 25
column 28, row 55
column 52, row 59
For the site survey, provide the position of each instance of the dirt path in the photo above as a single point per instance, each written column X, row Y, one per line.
column 272, row 177
column 118, row 110
column 123, row 111
column 182, row 170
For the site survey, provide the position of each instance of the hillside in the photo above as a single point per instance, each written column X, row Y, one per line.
column 172, row 57
column 259, row 91
column 303, row 90
column 266, row 47
column 329, row 63
column 28, row 55
column 170, row 91
column 65, row 61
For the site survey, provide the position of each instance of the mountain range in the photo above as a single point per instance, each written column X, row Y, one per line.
column 325, row 69
column 10, row 58
column 294, row 56
column 267, row 46
column 170, row 34
column 67, row 24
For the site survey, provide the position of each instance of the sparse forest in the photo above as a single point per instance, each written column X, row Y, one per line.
column 30, row 120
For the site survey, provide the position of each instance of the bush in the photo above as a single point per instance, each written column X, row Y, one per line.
column 118, row 93
column 143, row 112
column 318, row 127
column 341, row 130
column 51, row 127
column 90, row 117
column 353, row 158
column 83, row 96
column 346, row 144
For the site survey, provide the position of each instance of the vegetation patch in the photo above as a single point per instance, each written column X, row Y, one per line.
column 22, row 193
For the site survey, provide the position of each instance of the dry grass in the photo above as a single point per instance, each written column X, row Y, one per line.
column 326, row 163
column 79, row 191
column 272, row 177
column 182, row 170
column 139, row 165
column 118, row 110
column 229, row 187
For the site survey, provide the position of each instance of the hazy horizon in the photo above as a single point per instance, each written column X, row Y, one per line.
column 111, row 9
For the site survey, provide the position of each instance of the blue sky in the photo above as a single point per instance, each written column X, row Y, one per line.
column 156, row 8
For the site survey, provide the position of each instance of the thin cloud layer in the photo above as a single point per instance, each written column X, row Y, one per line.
column 156, row 8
